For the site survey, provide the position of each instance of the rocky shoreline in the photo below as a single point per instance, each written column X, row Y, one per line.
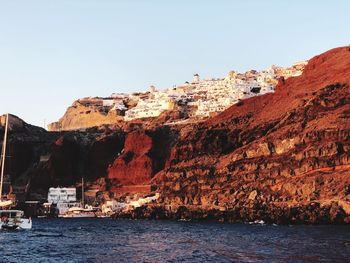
column 312, row 213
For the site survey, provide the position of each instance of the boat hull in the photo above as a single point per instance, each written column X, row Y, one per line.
column 78, row 215
column 17, row 223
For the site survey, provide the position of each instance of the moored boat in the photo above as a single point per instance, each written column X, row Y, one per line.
column 78, row 212
column 14, row 219
column 10, row 219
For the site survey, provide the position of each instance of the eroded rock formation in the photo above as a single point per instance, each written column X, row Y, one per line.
column 145, row 153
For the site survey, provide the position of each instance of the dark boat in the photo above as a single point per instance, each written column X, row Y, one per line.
column 9, row 227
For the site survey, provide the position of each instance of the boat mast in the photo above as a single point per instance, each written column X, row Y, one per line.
column 82, row 191
column 3, row 155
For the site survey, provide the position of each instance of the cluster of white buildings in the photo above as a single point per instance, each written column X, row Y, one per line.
column 199, row 98
column 151, row 106
column 215, row 95
column 203, row 98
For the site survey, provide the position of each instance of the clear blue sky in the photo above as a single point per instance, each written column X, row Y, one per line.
column 53, row 52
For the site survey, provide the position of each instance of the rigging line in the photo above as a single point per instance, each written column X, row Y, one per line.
column 3, row 155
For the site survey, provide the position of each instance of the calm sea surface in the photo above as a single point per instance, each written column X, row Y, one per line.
column 106, row 240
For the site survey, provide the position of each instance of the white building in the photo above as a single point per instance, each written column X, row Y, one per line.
column 109, row 102
column 112, row 206
column 63, row 198
column 196, row 78
column 118, row 106
column 59, row 195
column 142, row 201
column 147, row 108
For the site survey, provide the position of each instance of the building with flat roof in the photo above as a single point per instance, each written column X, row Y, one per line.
column 62, row 195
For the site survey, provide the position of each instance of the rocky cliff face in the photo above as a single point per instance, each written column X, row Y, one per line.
column 38, row 159
column 282, row 157
column 72, row 156
column 271, row 157
column 26, row 145
column 145, row 153
column 80, row 116
column 110, row 159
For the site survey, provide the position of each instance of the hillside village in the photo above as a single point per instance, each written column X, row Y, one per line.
column 194, row 100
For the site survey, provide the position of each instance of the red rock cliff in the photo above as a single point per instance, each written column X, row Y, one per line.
column 145, row 153
column 278, row 152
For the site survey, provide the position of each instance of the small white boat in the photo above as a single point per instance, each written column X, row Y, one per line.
column 103, row 216
column 78, row 212
column 14, row 219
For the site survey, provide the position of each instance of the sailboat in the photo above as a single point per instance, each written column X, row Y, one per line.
column 80, row 211
column 10, row 219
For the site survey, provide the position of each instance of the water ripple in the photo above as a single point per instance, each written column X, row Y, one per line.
column 94, row 240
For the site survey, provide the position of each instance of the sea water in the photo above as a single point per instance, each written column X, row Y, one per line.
column 107, row 240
